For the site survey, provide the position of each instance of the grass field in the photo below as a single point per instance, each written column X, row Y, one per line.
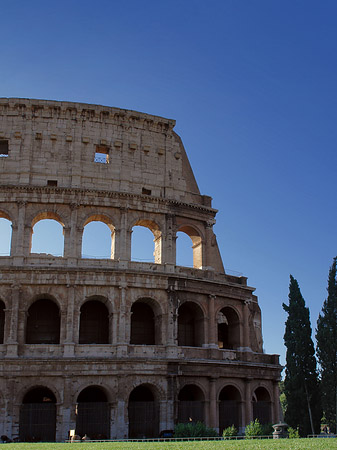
column 264, row 444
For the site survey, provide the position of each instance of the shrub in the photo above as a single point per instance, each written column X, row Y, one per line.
column 254, row 429
column 229, row 432
column 198, row 429
column 267, row 429
column 293, row 433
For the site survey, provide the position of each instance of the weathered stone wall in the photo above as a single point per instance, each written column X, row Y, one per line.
column 145, row 179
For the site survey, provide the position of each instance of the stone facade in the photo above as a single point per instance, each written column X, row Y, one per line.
column 132, row 346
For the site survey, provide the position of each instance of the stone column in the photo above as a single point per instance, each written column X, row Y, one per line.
column 68, row 317
column 123, row 239
column 12, row 339
column 276, row 403
column 212, row 323
column 248, row 402
column 169, row 243
column 172, row 324
column 245, row 346
column 73, row 237
column 212, row 403
column 18, row 236
column 67, row 409
column 207, row 258
column 171, row 394
column 123, row 335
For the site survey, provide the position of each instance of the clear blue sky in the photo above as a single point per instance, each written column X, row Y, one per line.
column 252, row 85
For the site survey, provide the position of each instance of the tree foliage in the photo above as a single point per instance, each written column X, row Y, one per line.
column 326, row 336
column 301, row 380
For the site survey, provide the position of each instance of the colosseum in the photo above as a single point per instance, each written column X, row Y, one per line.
column 115, row 347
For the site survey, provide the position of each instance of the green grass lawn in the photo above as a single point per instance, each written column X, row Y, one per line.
column 263, row 444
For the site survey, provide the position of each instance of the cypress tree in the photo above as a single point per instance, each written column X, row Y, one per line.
column 301, row 380
column 326, row 336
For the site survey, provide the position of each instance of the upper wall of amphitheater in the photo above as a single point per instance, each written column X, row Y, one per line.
column 76, row 145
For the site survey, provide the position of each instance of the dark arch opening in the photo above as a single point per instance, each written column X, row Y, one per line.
column 43, row 323
column 38, row 416
column 191, row 404
column 93, row 414
column 229, row 408
column 142, row 324
column 2, row 321
column 262, row 405
column 190, row 325
column 228, row 329
column 94, row 323
column 143, row 413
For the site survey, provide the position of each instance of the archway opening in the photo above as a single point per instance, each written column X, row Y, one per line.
column 191, row 404
column 190, row 325
column 92, row 414
column 98, row 240
column 229, row 408
column 142, row 324
column 6, row 236
column 146, row 242
column 94, row 323
column 187, row 255
column 47, row 237
column 43, row 323
column 228, row 329
column 2, row 321
column 38, row 416
column 262, row 405
column 143, row 413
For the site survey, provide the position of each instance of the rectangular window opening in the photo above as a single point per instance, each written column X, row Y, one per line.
column 51, row 182
column 146, row 191
column 3, row 148
column 102, row 154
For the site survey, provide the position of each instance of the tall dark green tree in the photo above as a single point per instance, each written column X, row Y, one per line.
column 301, row 380
column 326, row 336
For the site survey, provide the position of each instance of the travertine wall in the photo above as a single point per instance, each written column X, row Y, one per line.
column 78, row 163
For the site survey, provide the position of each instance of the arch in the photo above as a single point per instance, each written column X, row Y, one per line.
column 94, row 323
column 6, row 234
column 196, row 239
column 143, row 326
column 143, row 409
column 92, row 413
column 190, row 325
column 228, row 328
column 2, row 321
column 140, row 244
column 44, row 225
column 229, row 407
column 38, row 416
column 98, row 240
column 43, row 322
column 191, row 401
column 262, row 405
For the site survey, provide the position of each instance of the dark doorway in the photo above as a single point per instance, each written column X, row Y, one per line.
column 190, row 325
column 191, row 404
column 92, row 414
column 43, row 323
column 142, row 324
column 262, row 406
column 228, row 329
column 143, row 414
column 94, row 323
column 229, row 408
column 38, row 416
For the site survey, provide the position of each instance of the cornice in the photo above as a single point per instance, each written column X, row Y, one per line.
column 108, row 194
column 52, row 109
